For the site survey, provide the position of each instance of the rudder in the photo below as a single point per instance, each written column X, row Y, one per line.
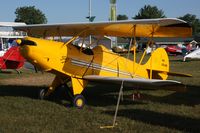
column 158, row 64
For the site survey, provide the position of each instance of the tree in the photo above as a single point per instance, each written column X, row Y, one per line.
column 148, row 12
column 193, row 21
column 30, row 15
column 122, row 17
column 113, row 1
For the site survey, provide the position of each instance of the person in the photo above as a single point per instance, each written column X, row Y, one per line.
column 1, row 46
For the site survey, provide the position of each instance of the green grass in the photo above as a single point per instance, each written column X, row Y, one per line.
column 157, row 111
column 10, row 73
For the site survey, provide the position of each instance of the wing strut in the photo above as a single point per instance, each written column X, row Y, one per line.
column 153, row 31
column 134, row 48
column 150, row 42
column 83, row 41
column 75, row 37
column 117, row 107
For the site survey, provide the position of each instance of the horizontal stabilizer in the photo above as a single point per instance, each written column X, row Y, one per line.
column 172, row 73
column 179, row 74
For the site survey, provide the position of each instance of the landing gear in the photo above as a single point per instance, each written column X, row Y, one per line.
column 79, row 101
column 42, row 94
column 63, row 91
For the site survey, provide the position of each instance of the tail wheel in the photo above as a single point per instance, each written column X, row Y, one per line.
column 79, row 101
column 42, row 94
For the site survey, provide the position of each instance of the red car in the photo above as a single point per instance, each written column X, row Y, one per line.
column 174, row 50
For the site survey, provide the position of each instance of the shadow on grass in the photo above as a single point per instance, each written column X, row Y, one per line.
column 6, row 72
column 22, row 91
column 106, row 95
column 189, row 98
column 161, row 119
column 96, row 95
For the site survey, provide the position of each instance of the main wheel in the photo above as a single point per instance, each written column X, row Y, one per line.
column 42, row 94
column 79, row 101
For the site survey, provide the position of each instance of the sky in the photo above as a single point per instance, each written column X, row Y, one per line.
column 67, row 11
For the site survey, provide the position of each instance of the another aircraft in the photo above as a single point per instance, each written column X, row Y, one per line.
column 193, row 55
column 80, row 65
column 12, row 59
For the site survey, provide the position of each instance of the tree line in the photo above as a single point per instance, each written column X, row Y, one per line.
column 150, row 12
column 31, row 15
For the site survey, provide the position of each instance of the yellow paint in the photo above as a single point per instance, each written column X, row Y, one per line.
column 79, row 102
column 78, row 85
column 18, row 41
column 67, row 61
column 119, row 29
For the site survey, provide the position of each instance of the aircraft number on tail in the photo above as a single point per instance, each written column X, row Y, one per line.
column 163, row 63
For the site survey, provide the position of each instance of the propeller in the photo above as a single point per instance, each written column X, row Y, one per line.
column 22, row 42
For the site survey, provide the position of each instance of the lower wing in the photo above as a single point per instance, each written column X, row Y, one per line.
column 139, row 82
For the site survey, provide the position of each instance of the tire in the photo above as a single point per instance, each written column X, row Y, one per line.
column 79, row 101
column 42, row 93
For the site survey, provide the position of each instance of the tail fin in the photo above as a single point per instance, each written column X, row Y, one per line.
column 158, row 64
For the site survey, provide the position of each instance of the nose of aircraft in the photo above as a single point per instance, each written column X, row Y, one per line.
column 18, row 41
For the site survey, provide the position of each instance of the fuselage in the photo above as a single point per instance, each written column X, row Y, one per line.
column 73, row 61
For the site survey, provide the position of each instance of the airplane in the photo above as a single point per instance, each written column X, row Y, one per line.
column 193, row 55
column 12, row 59
column 80, row 65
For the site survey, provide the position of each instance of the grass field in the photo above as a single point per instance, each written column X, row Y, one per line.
column 157, row 111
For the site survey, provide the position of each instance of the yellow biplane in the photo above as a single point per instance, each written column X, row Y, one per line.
column 80, row 65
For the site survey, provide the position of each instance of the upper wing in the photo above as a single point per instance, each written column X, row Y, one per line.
column 141, row 83
column 10, row 24
column 166, row 27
